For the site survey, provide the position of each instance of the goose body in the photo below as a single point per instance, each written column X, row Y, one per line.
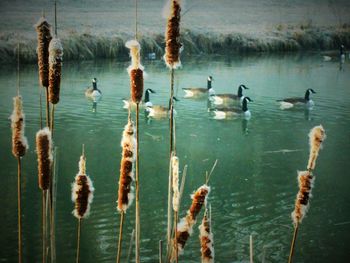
column 159, row 111
column 93, row 92
column 230, row 113
column 195, row 92
column 288, row 103
column 146, row 103
column 228, row 98
column 342, row 53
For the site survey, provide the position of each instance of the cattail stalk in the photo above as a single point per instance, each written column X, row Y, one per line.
column 125, row 192
column 135, row 71
column 251, row 253
column 172, row 60
column 206, row 240
column 172, row 36
column 45, row 159
column 316, row 137
column 82, row 196
column 19, row 148
column 160, row 250
column 185, row 226
column 306, row 182
column 176, row 195
column 19, row 141
column 132, row 238
column 44, row 37
column 43, row 29
column 55, row 66
column 44, row 153
column 137, row 201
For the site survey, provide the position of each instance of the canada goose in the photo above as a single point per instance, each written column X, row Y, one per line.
column 93, row 92
column 224, row 99
column 288, row 103
column 200, row 92
column 147, row 101
column 227, row 113
column 159, row 111
column 342, row 53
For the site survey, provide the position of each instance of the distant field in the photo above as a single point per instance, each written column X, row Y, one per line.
column 263, row 21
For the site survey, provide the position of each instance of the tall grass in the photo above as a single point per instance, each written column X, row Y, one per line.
column 87, row 46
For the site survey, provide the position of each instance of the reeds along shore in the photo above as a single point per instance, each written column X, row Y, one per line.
column 91, row 46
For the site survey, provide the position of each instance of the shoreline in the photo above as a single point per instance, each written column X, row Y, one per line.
column 87, row 46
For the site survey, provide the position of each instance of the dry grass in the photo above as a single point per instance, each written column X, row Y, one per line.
column 88, row 46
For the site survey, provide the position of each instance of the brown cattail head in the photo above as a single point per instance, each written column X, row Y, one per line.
column 19, row 141
column 175, row 183
column 317, row 135
column 55, row 67
column 199, row 198
column 172, row 36
column 185, row 226
column 44, row 152
column 306, row 182
column 135, row 71
column 44, row 37
column 206, row 239
column 82, row 191
column 126, row 177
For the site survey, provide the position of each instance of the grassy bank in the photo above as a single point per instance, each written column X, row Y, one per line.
column 281, row 38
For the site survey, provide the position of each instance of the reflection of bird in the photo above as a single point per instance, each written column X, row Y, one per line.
column 159, row 111
column 147, row 101
column 291, row 102
column 327, row 58
column 199, row 92
column 93, row 92
column 224, row 99
column 226, row 113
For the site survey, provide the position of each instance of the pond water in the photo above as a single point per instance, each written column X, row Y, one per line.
column 253, row 186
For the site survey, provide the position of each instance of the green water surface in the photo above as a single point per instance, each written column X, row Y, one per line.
column 253, row 186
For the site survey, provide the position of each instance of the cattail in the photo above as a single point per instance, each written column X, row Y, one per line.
column 135, row 71
column 125, row 192
column 175, row 177
column 172, row 36
column 185, row 226
column 44, row 37
column 19, row 141
column 82, row 191
column 44, row 152
column 306, row 182
column 55, row 66
column 206, row 239
column 317, row 136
